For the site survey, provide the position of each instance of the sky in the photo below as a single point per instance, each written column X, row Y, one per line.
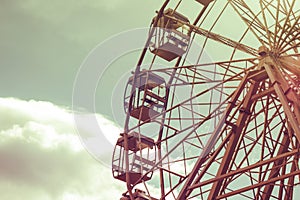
column 44, row 43
column 42, row 47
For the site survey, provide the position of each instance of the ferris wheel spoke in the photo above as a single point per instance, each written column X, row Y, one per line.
column 277, row 19
column 264, row 8
column 251, row 20
column 219, row 38
column 210, row 73
column 225, row 41
column 277, row 24
column 190, row 130
column 287, row 28
column 181, row 105
column 293, row 45
column 291, row 39
column 291, row 36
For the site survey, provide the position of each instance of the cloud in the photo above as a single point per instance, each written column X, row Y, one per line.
column 41, row 155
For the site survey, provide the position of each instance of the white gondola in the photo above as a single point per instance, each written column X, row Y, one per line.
column 171, row 35
column 149, row 96
column 141, row 156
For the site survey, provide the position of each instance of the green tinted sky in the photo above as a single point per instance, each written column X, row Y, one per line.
column 43, row 43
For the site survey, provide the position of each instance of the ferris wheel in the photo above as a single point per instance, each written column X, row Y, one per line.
column 215, row 111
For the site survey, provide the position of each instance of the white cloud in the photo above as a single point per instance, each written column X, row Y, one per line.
column 41, row 155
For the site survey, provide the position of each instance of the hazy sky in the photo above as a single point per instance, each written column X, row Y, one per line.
column 43, row 43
